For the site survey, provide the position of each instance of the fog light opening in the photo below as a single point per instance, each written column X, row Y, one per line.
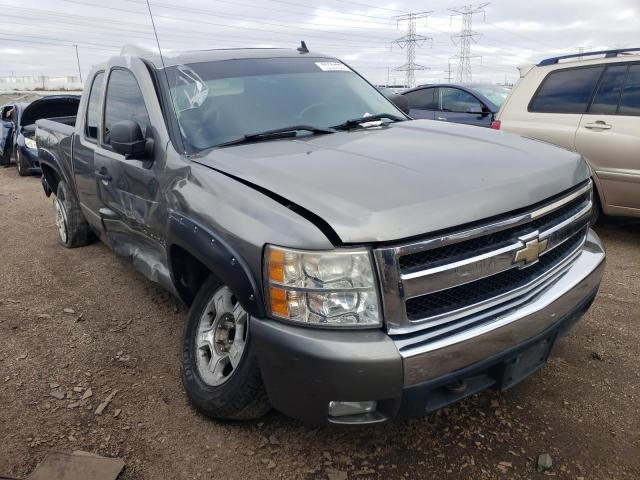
column 344, row 409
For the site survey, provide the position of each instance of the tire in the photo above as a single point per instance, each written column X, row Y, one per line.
column 73, row 229
column 21, row 163
column 240, row 395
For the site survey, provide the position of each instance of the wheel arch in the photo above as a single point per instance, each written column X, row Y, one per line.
column 50, row 179
column 195, row 252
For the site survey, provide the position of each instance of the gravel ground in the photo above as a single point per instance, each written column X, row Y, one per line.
column 83, row 325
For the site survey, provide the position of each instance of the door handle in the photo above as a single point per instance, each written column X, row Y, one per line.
column 441, row 118
column 103, row 175
column 598, row 125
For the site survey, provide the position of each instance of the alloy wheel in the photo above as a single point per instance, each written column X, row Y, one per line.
column 221, row 337
column 61, row 220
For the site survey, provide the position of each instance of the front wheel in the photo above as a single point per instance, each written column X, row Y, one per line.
column 22, row 164
column 219, row 366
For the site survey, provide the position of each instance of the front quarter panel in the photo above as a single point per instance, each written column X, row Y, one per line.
column 225, row 224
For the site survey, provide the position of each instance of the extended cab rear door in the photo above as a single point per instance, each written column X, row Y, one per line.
column 129, row 189
column 609, row 137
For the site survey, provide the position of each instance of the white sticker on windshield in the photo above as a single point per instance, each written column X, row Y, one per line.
column 333, row 67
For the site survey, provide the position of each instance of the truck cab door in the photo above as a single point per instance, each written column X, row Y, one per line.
column 609, row 138
column 128, row 189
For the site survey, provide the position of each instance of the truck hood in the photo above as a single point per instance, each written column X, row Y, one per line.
column 404, row 180
column 49, row 107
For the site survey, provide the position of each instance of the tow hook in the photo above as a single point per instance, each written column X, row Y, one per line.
column 457, row 386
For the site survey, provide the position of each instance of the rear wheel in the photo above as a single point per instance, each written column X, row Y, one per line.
column 219, row 366
column 73, row 229
column 22, row 164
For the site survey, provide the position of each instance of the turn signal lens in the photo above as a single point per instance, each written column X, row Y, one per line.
column 279, row 304
column 276, row 266
column 496, row 124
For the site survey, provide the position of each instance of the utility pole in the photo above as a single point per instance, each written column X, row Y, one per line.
column 78, row 59
column 579, row 51
column 410, row 41
column 465, row 38
column 449, row 73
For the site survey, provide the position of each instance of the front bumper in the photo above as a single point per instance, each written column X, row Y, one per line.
column 304, row 369
column 31, row 156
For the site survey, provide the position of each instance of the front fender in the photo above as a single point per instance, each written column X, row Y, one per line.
column 219, row 257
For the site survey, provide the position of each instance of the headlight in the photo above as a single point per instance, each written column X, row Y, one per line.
column 30, row 143
column 329, row 288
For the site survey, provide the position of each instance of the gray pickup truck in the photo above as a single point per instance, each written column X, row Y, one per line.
column 340, row 261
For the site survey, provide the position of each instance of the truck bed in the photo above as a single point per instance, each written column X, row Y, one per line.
column 54, row 137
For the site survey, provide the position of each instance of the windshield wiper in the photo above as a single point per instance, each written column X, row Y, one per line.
column 357, row 122
column 277, row 133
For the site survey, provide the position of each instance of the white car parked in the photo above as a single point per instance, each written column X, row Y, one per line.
column 589, row 103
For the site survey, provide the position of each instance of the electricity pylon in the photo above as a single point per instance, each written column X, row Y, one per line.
column 465, row 38
column 411, row 40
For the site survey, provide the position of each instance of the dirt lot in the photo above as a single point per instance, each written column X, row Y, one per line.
column 71, row 320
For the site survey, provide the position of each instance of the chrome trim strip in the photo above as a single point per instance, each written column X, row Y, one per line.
column 458, row 273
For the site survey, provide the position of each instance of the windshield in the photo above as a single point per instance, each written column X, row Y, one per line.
column 495, row 93
column 222, row 101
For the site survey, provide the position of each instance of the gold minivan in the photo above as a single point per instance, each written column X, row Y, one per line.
column 589, row 105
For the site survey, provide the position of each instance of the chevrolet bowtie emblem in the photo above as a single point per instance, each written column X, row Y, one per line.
column 531, row 251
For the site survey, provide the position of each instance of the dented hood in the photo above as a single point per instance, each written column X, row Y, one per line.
column 404, row 180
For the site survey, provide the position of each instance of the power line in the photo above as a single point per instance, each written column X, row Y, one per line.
column 465, row 38
column 244, row 18
column 410, row 41
column 372, row 6
column 177, row 34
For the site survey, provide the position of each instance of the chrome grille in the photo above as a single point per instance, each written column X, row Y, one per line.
column 479, row 290
column 445, row 281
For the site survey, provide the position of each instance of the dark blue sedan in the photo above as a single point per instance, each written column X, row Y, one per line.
column 17, row 136
column 474, row 104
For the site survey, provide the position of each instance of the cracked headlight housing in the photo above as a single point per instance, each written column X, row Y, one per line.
column 333, row 288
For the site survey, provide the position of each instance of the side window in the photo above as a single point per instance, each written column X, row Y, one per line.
column 422, row 99
column 123, row 101
column 608, row 95
column 630, row 102
column 459, row 101
column 566, row 91
column 93, row 108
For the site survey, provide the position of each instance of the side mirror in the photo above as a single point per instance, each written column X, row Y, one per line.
column 401, row 102
column 127, row 139
column 484, row 111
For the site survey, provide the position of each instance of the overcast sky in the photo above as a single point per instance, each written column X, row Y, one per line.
column 38, row 36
